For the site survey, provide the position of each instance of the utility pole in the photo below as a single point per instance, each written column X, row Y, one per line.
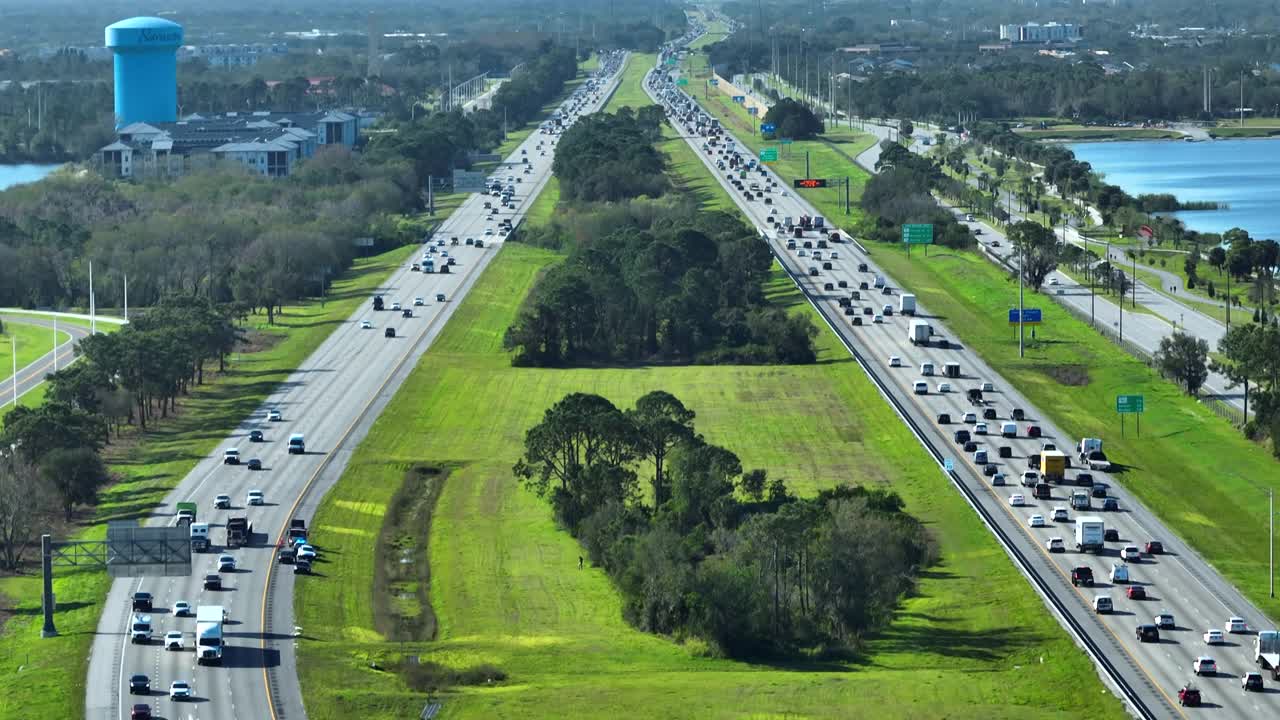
column 93, row 318
column 1271, row 540
column 55, row 344
column 1228, row 297
column 13, row 341
column 126, row 297
column 1135, row 281
column 1021, row 344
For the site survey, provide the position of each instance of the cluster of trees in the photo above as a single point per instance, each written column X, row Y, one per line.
column 655, row 281
column 794, row 120
column 612, row 157
column 709, row 550
column 900, row 193
column 521, row 98
column 1249, row 356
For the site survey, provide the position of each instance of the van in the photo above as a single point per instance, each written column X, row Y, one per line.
column 1009, row 430
column 921, row 388
column 926, row 369
column 1102, row 604
column 980, row 457
column 1119, row 573
column 880, row 281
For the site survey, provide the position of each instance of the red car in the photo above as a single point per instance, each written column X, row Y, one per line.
column 1033, row 431
column 1155, row 547
column 140, row 712
column 1189, row 696
column 1137, row 592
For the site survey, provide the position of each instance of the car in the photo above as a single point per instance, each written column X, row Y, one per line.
column 255, row 436
column 998, row 479
column 990, row 469
column 1189, row 696
column 1136, row 592
column 878, row 319
column 255, row 497
column 970, row 418
column 1084, row 479
column 1102, row 604
column 895, row 361
column 419, row 302
column 803, row 253
column 274, row 416
column 944, row 387
column 139, row 684
column 1119, row 573
column 1055, row 545
column 222, row 502
column 1033, row 431
column 1111, row 535
column 1099, row 490
column 1251, row 682
column 1164, row 620
column 987, row 386
column 389, row 332
column 439, row 297
column 887, row 310
column 979, row 429
column 1110, row 504
column 1017, row 500
column 1204, row 665
column 226, row 563
column 1213, row 637
column 1036, row 521
column 488, row 231
column 395, row 306
column 231, row 456
column 1053, row 281
column 306, row 552
column 1030, row 478
column 182, row 608
column 1130, row 554
column 1154, row 547
column 407, row 313
column 1060, row 514
column 302, row 567
column 173, row 640
column 1236, row 625
column 960, row 436
column 920, row 388
column 254, row 464
column 179, row 690
column 143, row 601
column 140, row 711
column 1082, row 575
column 867, row 310
column 1147, row 633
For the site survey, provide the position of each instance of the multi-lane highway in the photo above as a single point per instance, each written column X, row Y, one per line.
column 331, row 399
column 34, row 373
column 1176, row 581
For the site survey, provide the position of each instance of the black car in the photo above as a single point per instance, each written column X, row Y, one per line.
column 1085, row 479
column 389, row 332
column 140, row 711
column 1082, row 576
column 1111, row 535
column 255, row 464
column 989, row 414
column 1018, row 414
column 142, row 601
column 1147, row 633
column 990, row 469
column 971, row 446
column 1099, row 490
column 961, row 436
column 863, row 285
column 944, row 419
column 1005, row 451
column 302, row 567
column 406, row 313
column 850, row 310
column 255, row 436
column 862, row 267
column 857, row 321
column 213, row 581
column 829, row 286
column 139, row 684
column 288, row 555
column 843, row 284
column 867, row 311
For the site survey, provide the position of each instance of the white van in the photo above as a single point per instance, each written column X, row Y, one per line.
column 926, row 369
column 1009, row 430
column 921, row 388
column 1119, row 573
column 987, row 386
column 1102, row 604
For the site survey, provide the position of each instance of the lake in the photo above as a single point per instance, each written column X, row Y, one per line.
column 11, row 175
column 1244, row 174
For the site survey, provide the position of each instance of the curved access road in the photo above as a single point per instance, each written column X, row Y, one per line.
column 332, row 399
column 1146, row 675
column 33, row 375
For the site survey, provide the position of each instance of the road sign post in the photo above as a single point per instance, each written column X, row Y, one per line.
column 917, row 234
column 1130, row 405
column 682, row 81
column 769, row 154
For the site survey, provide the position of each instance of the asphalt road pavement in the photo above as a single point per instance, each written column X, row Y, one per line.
column 1177, row 581
column 33, row 374
column 332, row 399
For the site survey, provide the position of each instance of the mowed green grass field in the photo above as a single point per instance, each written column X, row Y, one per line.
column 32, row 342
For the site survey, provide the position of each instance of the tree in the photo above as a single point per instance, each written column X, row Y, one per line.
column 1218, row 258
column 661, row 422
column 51, row 426
column 1038, row 249
column 75, row 475
column 1183, row 357
column 20, row 500
column 753, row 483
column 1241, row 357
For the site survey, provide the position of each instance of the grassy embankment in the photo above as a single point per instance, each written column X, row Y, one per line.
column 506, row 591
column 50, row 683
column 1077, row 132
column 33, row 341
column 1190, row 467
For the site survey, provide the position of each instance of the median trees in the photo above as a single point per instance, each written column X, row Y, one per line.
column 1038, row 250
column 1183, row 357
column 794, row 120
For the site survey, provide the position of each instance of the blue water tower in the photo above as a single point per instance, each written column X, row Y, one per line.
column 145, row 49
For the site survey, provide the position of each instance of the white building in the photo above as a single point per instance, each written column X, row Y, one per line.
column 231, row 55
column 1037, row 33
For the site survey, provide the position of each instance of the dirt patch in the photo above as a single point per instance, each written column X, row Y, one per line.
column 402, row 577
column 253, row 341
column 1068, row 375
column 428, row 677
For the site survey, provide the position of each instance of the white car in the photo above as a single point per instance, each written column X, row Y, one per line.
column 1164, row 620
column 274, row 416
column 803, row 253
column 179, row 690
column 1236, row 625
column 182, row 608
column 1055, row 545
column 970, row 418
column 1017, row 500
column 1030, row 478
column 1053, row 281
column 1060, row 515
column 226, row 563
column 1036, row 521
column 222, row 501
column 988, row 387
column 980, row 429
column 173, row 640
column 306, row 552
column 879, row 319
column 920, row 388
column 255, row 497
column 396, row 305
column 1130, row 553
column 365, row 325
column 419, row 301
column 488, row 231
column 1213, row 637
column 944, row 387
column 1205, row 665
column 895, row 361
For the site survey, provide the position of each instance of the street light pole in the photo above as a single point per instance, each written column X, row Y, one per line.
column 1021, row 346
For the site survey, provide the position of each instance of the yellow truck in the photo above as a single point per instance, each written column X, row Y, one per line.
column 1053, row 466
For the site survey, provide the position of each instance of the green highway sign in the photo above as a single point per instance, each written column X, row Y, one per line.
column 671, row 61
column 786, row 141
column 917, row 234
column 1129, row 404
column 682, row 81
column 769, row 154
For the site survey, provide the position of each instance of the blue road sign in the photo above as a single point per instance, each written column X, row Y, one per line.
column 715, row 82
column 739, row 98
column 1030, row 316
column 753, row 110
column 948, row 464
column 768, row 127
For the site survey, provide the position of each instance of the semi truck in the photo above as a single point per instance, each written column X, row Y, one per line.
column 209, row 634
column 1266, row 652
column 919, row 332
column 1053, row 466
column 907, row 304
column 1089, row 534
column 297, row 444
column 239, row 531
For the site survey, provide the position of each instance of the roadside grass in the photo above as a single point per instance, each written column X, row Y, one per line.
column 33, row 341
column 716, row 31
column 506, row 590
column 630, row 92
column 1245, row 132
column 148, row 466
column 1059, row 133
column 1190, row 467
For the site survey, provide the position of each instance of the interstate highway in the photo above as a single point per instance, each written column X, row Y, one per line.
column 332, row 399
column 1179, row 581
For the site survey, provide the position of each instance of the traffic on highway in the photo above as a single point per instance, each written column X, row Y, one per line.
column 218, row 642
column 1163, row 625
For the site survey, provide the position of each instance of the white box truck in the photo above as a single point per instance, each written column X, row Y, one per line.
column 907, row 304
column 209, row 634
column 1266, row 652
column 1089, row 531
column 919, row 332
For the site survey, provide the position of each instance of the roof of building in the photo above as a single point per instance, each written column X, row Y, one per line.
column 228, row 132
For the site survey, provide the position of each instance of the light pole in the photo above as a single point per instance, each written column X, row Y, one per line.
column 1021, row 347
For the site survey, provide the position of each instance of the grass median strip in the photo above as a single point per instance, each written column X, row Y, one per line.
column 33, row 341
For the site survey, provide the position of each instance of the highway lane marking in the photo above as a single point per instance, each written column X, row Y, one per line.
column 801, row 280
column 462, row 279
